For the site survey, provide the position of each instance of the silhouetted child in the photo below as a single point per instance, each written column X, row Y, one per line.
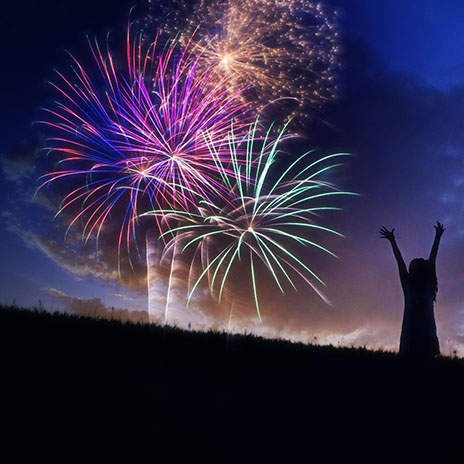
column 418, row 332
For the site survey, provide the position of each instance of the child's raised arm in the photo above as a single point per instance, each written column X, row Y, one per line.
column 390, row 236
column 439, row 229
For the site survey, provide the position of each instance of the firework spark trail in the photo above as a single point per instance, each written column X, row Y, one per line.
column 139, row 137
column 171, row 281
column 281, row 49
column 147, row 259
column 155, row 277
column 261, row 222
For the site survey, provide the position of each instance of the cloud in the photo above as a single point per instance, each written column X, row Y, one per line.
column 69, row 257
column 73, row 255
column 55, row 293
column 124, row 297
column 19, row 162
column 94, row 307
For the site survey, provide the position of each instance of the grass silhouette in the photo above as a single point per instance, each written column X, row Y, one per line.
column 152, row 391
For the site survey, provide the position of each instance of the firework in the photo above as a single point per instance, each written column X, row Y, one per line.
column 282, row 50
column 262, row 221
column 138, row 136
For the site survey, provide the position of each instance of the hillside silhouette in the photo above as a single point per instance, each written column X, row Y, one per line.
column 95, row 389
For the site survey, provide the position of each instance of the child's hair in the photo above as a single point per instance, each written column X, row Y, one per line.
column 423, row 276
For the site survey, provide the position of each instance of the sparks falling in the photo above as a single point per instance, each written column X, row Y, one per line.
column 263, row 222
column 137, row 137
column 283, row 51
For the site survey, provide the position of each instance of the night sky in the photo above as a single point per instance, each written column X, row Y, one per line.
column 400, row 113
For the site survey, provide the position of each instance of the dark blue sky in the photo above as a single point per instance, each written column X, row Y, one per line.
column 401, row 115
column 422, row 38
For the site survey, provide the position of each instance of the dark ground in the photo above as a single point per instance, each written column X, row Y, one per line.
column 78, row 388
